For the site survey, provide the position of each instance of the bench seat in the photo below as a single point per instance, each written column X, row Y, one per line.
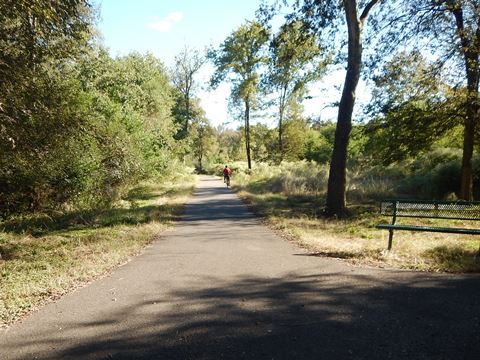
column 429, row 209
column 429, row 229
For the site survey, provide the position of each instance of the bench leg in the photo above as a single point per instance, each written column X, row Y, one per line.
column 390, row 239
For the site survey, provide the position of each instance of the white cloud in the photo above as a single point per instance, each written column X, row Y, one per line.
column 166, row 24
column 175, row 16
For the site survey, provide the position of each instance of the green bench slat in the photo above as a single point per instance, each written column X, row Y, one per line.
column 429, row 229
column 432, row 209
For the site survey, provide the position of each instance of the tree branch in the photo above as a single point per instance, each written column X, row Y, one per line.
column 367, row 9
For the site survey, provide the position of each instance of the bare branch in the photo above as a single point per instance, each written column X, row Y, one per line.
column 367, row 9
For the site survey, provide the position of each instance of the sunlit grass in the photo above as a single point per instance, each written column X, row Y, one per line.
column 297, row 213
column 44, row 257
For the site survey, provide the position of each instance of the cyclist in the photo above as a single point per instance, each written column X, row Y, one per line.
column 226, row 174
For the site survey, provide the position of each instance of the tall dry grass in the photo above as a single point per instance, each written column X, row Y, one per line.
column 292, row 196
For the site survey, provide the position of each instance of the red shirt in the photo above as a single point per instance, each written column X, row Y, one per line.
column 226, row 171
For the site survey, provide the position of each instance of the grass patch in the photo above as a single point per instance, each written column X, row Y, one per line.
column 46, row 256
column 297, row 212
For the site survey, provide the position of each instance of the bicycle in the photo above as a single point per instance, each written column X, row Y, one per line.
column 227, row 180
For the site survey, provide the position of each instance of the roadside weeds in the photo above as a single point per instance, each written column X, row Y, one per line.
column 46, row 257
column 357, row 241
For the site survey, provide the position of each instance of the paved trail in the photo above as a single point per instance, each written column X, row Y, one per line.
column 221, row 285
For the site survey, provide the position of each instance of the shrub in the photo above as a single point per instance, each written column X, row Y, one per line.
column 290, row 178
column 434, row 175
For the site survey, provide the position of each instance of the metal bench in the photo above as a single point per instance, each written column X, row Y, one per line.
column 453, row 210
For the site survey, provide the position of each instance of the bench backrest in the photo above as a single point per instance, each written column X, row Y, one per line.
column 460, row 210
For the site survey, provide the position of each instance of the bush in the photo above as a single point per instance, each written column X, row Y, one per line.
column 436, row 175
column 291, row 178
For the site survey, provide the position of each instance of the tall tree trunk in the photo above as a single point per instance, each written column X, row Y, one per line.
column 471, row 49
column 200, row 155
column 466, row 188
column 337, row 176
column 187, row 112
column 247, row 132
column 281, row 112
column 337, row 179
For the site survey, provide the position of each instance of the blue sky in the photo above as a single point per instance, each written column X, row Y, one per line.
column 165, row 27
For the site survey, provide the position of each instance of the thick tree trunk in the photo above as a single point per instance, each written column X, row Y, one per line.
column 247, row 133
column 466, row 188
column 471, row 50
column 338, row 166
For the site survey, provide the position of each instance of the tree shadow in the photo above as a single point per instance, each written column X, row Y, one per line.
column 297, row 316
column 45, row 224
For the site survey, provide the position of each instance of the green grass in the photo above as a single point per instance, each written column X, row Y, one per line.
column 296, row 211
column 44, row 257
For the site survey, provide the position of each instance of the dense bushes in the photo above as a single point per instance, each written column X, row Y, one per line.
column 76, row 127
column 434, row 175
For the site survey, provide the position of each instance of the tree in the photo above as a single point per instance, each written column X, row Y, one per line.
column 317, row 147
column 337, row 176
column 295, row 63
column 187, row 64
column 230, row 148
column 295, row 138
column 321, row 15
column 203, row 140
column 241, row 55
column 451, row 29
column 412, row 108
column 263, row 142
column 41, row 110
column 131, row 114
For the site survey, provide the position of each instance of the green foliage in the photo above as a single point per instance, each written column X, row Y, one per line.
column 77, row 127
column 294, row 139
column 319, row 142
column 317, row 148
column 41, row 105
column 203, row 142
column 230, row 145
column 412, row 109
column 435, row 175
column 263, row 143
column 449, row 31
column 296, row 62
column 239, row 58
column 240, row 55
column 187, row 64
column 130, row 115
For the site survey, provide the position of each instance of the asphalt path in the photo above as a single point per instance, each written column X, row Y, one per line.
column 220, row 285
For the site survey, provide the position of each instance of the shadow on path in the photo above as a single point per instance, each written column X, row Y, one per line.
column 319, row 316
column 204, row 293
